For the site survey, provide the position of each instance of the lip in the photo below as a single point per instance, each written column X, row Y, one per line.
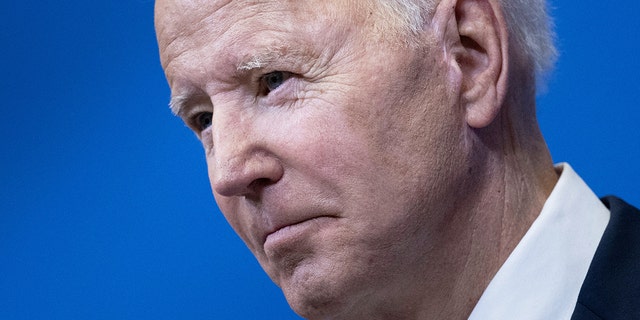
column 293, row 231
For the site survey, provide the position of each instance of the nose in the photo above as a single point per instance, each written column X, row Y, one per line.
column 241, row 162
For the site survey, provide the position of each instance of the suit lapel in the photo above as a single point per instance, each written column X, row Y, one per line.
column 611, row 289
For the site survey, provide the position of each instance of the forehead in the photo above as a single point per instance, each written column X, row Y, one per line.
column 180, row 20
column 206, row 37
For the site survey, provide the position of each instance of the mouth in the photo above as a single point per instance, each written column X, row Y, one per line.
column 293, row 232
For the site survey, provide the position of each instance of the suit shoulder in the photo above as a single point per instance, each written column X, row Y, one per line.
column 612, row 286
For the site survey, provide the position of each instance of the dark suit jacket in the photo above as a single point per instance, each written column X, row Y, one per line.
column 611, row 290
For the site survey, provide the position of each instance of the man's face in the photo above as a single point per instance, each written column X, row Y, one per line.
column 334, row 152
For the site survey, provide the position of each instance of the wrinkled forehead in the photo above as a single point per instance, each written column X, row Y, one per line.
column 178, row 18
column 181, row 18
column 223, row 29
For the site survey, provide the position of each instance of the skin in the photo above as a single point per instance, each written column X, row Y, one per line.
column 377, row 180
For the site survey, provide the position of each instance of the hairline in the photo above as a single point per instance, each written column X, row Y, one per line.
column 534, row 38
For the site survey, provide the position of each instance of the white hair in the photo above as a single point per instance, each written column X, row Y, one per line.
column 530, row 26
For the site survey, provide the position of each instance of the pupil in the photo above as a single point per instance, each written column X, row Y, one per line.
column 205, row 120
column 274, row 80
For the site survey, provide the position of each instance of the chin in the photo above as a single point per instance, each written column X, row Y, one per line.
column 323, row 291
column 322, row 303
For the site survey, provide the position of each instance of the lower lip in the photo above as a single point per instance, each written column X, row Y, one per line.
column 296, row 232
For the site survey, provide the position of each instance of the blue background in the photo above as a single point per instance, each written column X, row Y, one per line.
column 105, row 207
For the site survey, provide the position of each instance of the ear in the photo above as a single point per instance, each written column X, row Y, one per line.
column 479, row 45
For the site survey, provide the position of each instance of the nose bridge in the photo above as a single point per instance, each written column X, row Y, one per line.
column 241, row 160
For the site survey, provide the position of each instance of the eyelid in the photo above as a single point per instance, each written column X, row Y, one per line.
column 288, row 95
column 286, row 76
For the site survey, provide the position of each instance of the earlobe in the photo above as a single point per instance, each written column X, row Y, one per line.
column 482, row 58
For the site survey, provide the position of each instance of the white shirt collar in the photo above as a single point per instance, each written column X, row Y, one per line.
column 542, row 277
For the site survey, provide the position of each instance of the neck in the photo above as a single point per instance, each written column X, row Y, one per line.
column 511, row 179
column 515, row 178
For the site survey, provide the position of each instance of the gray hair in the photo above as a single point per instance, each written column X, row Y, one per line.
column 530, row 26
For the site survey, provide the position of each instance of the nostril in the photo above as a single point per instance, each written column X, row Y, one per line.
column 257, row 185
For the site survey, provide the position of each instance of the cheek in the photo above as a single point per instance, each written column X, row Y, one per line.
column 231, row 207
column 318, row 137
column 229, row 211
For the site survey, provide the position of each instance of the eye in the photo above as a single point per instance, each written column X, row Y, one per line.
column 272, row 81
column 203, row 120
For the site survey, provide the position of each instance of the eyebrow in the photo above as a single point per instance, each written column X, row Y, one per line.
column 261, row 59
column 178, row 104
column 256, row 62
column 271, row 54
